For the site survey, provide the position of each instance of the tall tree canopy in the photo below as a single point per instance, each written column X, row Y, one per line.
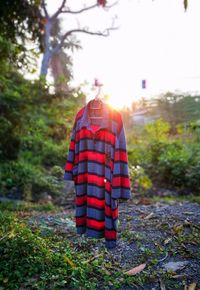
column 21, row 22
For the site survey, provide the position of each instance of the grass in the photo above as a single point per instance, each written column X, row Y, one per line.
column 33, row 259
column 17, row 206
column 172, row 199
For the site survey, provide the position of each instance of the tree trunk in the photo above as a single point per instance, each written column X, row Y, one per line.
column 45, row 63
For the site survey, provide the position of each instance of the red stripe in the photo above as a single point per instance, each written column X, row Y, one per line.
column 113, row 213
column 99, row 225
column 72, row 145
column 68, row 166
column 92, row 201
column 80, row 221
column 108, row 186
column 110, row 234
column 108, row 210
column 81, row 200
column 121, row 181
column 90, row 178
column 80, row 113
column 91, row 156
column 102, row 135
column 121, row 156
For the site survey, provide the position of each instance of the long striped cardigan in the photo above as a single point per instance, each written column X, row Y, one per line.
column 97, row 162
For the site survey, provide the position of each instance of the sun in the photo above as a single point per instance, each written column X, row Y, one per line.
column 118, row 102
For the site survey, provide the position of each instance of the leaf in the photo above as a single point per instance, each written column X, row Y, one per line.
column 192, row 286
column 167, row 241
column 178, row 229
column 92, row 258
column 136, row 270
column 69, row 261
column 148, row 216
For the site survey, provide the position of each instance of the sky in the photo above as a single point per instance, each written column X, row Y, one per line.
column 156, row 40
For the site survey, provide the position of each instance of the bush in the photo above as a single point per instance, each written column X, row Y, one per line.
column 158, row 130
column 27, row 179
column 139, row 179
column 173, row 162
column 35, row 259
column 28, row 259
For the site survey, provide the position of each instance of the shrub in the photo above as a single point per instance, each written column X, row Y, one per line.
column 28, row 179
column 28, row 259
column 158, row 130
column 173, row 163
column 139, row 179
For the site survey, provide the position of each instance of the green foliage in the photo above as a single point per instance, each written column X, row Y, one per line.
column 31, row 180
column 35, row 128
column 32, row 259
column 176, row 109
column 21, row 21
column 173, row 162
column 21, row 205
column 158, row 130
column 168, row 160
column 28, row 259
column 139, row 179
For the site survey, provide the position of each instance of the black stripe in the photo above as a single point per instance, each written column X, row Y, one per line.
column 80, row 216
column 92, row 207
column 95, row 162
column 110, row 229
column 96, row 139
column 122, row 187
column 96, row 230
column 69, row 161
column 68, row 171
column 121, row 161
column 86, row 150
column 99, row 198
column 101, row 129
column 114, row 219
column 120, row 149
column 92, row 184
column 95, row 219
column 108, row 205
column 121, row 175
column 98, row 220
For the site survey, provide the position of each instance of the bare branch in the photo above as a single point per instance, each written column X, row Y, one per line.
column 88, row 8
column 45, row 9
column 111, row 5
column 79, row 11
column 104, row 33
column 55, row 15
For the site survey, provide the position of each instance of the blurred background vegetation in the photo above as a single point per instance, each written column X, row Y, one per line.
column 36, row 118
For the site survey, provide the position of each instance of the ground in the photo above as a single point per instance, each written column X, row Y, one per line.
column 163, row 234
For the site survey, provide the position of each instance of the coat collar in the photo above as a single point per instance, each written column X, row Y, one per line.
column 85, row 120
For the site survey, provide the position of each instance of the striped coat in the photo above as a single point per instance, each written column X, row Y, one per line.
column 97, row 162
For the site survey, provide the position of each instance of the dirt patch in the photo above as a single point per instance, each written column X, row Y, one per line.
column 160, row 234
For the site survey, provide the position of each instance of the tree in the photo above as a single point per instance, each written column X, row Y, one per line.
column 51, row 47
column 60, row 63
column 21, row 22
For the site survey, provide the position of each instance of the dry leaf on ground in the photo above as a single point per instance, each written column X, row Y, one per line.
column 136, row 270
column 192, row 286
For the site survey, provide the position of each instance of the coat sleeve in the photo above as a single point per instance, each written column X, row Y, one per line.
column 69, row 165
column 121, row 186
